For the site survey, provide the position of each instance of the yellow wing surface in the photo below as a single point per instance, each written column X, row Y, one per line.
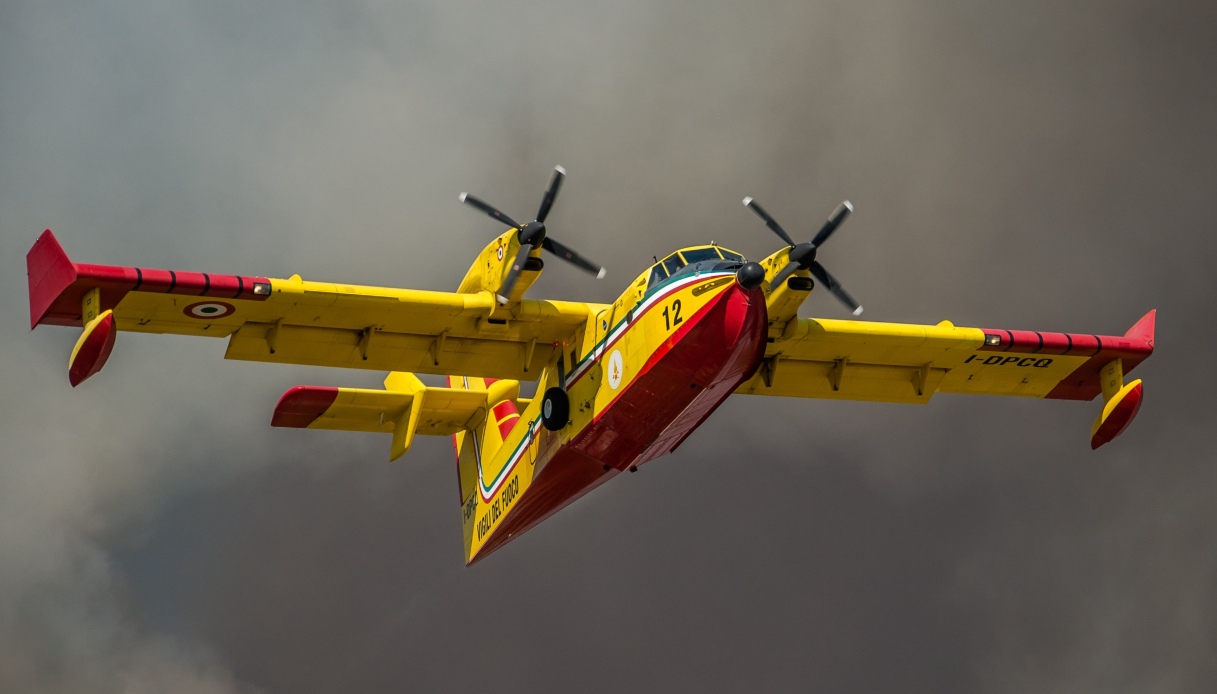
column 893, row 362
column 301, row 322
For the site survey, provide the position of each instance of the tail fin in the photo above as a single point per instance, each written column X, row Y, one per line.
column 483, row 441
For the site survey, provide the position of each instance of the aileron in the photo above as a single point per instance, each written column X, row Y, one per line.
column 895, row 362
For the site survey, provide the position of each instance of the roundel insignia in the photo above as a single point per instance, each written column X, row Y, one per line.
column 499, row 252
column 615, row 367
column 209, row 309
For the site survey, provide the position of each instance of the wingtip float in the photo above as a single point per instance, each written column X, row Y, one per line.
column 618, row 385
column 1121, row 401
column 82, row 295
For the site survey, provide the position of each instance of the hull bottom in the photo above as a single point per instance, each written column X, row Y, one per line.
column 675, row 392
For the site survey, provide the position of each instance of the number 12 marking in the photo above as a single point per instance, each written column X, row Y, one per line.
column 674, row 320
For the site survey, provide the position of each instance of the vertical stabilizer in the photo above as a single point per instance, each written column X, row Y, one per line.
column 477, row 447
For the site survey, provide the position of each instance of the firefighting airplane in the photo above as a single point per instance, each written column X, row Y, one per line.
column 618, row 384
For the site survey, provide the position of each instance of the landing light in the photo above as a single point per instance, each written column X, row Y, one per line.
column 993, row 340
column 261, row 288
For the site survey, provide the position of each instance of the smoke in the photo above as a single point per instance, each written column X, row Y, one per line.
column 1031, row 165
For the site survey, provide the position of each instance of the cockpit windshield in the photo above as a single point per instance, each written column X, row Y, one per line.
column 705, row 258
column 700, row 254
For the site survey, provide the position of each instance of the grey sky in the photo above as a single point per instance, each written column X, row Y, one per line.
column 1039, row 165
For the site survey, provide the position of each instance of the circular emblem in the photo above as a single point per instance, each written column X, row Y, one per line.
column 499, row 252
column 209, row 309
column 615, row 367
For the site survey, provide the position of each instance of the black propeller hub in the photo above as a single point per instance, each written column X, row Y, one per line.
column 750, row 275
column 532, row 234
column 804, row 254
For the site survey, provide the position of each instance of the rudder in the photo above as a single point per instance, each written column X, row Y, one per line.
column 483, row 441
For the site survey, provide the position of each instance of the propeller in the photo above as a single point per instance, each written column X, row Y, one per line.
column 803, row 255
column 532, row 234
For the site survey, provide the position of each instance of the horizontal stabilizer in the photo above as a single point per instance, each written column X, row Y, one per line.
column 415, row 409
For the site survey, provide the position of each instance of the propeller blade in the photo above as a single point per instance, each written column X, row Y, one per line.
column 833, row 222
column 769, row 221
column 489, row 209
column 831, row 283
column 570, row 256
column 532, row 235
column 513, row 274
column 551, row 192
column 785, row 272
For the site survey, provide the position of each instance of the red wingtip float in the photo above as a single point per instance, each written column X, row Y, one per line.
column 617, row 385
column 1121, row 402
column 1117, row 414
column 51, row 276
column 83, row 295
column 92, row 349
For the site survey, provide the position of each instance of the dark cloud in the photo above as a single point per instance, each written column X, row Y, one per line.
column 1025, row 165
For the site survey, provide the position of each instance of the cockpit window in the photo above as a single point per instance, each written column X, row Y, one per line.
column 700, row 254
column 658, row 274
column 693, row 260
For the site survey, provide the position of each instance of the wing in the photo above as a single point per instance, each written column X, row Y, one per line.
column 891, row 362
column 316, row 323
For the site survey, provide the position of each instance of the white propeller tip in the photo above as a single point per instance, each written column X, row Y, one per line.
column 560, row 169
column 502, row 299
column 848, row 205
column 748, row 201
column 600, row 275
column 462, row 196
column 858, row 311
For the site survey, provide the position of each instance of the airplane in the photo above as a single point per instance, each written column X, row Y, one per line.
column 617, row 385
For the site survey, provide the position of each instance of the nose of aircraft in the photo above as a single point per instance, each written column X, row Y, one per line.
column 750, row 275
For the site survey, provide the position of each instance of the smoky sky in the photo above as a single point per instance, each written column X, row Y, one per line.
column 1038, row 165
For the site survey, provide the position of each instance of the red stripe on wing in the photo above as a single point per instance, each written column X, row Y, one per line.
column 57, row 285
column 1133, row 347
